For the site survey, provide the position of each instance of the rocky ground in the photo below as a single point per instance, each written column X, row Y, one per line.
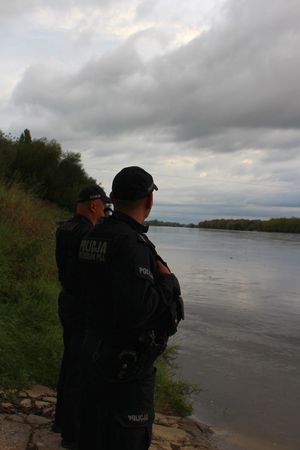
column 26, row 417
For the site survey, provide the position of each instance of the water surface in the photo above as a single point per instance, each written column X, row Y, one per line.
column 240, row 340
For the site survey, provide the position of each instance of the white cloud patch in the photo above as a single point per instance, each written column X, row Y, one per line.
column 247, row 162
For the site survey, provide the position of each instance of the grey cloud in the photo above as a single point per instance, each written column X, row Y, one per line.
column 291, row 144
column 145, row 8
column 196, row 213
column 15, row 11
column 226, row 199
column 13, row 7
column 226, row 90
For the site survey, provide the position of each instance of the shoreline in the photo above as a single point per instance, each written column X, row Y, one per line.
column 26, row 417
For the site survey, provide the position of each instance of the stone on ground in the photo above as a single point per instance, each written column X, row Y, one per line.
column 13, row 435
column 39, row 390
column 46, row 440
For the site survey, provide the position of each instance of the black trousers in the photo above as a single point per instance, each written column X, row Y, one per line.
column 70, row 378
column 116, row 415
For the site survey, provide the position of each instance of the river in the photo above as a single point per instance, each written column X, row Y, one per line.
column 240, row 339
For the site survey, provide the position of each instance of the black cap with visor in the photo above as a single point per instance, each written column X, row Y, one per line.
column 92, row 193
column 132, row 183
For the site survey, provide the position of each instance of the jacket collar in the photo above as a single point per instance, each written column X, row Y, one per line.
column 140, row 228
column 81, row 218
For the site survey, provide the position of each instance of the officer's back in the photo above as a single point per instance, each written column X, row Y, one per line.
column 129, row 290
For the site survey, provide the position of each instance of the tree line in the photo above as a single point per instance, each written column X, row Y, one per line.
column 42, row 167
column 161, row 223
column 279, row 225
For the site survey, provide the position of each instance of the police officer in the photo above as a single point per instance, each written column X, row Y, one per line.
column 90, row 208
column 134, row 304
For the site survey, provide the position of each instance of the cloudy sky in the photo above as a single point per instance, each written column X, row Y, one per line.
column 204, row 94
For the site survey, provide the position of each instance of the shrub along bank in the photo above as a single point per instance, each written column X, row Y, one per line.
column 30, row 334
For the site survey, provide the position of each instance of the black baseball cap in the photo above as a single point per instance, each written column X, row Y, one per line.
column 92, row 193
column 132, row 183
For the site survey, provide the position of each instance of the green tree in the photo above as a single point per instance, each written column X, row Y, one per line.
column 42, row 167
column 25, row 137
column 7, row 153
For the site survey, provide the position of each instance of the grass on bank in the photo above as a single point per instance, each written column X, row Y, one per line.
column 30, row 333
column 171, row 395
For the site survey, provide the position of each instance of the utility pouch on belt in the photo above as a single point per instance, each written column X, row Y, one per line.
column 152, row 346
column 113, row 364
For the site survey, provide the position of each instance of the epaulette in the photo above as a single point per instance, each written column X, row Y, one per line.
column 68, row 226
column 143, row 238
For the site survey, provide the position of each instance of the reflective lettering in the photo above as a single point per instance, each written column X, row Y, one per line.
column 145, row 271
column 138, row 417
column 93, row 250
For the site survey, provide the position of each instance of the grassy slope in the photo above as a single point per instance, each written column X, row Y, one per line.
column 30, row 334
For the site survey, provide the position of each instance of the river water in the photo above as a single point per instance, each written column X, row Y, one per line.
column 240, row 340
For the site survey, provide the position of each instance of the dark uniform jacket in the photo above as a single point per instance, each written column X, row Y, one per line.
column 68, row 238
column 128, row 320
column 129, row 301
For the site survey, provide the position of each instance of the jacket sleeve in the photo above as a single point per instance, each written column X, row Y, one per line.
column 66, row 252
column 140, row 294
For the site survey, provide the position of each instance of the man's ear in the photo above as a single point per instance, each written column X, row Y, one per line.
column 92, row 206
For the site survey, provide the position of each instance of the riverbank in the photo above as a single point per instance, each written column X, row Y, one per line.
column 26, row 417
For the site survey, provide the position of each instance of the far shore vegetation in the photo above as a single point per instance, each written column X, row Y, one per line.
column 39, row 184
column 275, row 225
